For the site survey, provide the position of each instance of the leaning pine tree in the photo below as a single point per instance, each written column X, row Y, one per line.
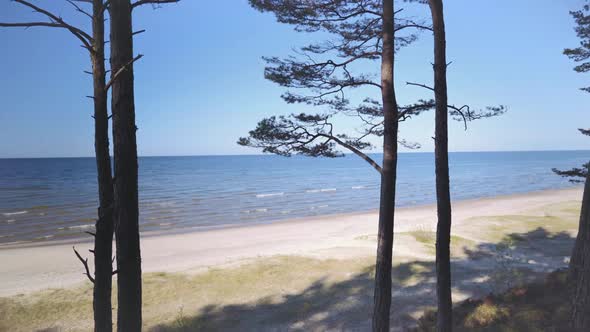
column 580, row 259
column 363, row 31
column 579, row 175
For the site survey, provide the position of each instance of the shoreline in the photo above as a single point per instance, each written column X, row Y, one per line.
column 201, row 229
column 28, row 268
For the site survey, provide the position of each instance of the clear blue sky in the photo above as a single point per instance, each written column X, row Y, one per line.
column 200, row 85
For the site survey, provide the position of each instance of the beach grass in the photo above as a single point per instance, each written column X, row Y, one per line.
column 167, row 297
column 428, row 240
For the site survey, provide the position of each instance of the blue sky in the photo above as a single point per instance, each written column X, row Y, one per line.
column 200, row 84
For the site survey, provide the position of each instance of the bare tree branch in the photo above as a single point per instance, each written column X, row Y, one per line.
column 85, row 263
column 57, row 21
column 121, row 70
column 79, row 9
column 413, row 25
column 356, row 151
column 153, row 2
column 420, row 85
column 31, row 24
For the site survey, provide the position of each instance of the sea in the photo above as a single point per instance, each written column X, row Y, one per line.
column 52, row 199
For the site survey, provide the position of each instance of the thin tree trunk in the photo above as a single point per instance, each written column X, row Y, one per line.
column 441, row 151
column 580, row 266
column 126, row 181
column 382, row 299
column 103, row 241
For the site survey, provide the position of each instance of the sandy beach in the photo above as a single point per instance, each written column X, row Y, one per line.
column 26, row 269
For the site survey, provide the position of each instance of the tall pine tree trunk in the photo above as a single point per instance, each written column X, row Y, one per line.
column 441, row 152
column 103, row 241
column 125, row 156
column 580, row 266
column 382, row 299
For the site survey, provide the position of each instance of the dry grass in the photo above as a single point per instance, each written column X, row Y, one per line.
column 167, row 297
column 47, row 309
column 560, row 217
column 542, row 306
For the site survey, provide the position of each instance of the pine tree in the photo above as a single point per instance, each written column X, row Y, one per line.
column 580, row 258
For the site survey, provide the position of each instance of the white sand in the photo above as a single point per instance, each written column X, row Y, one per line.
column 25, row 269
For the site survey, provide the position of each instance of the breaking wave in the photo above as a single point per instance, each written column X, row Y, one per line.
column 6, row 214
column 269, row 195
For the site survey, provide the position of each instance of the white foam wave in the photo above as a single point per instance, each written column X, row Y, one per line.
column 255, row 211
column 81, row 227
column 269, row 195
column 358, row 187
column 6, row 214
column 323, row 190
column 10, row 221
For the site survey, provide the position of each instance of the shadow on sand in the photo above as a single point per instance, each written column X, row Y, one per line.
column 347, row 305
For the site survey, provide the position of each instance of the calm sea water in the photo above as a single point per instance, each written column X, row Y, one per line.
column 49, row 199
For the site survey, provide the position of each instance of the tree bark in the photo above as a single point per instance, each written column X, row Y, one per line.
column 441, row 151
column 580, row 266
column 126, row 179
column 382, row 299
column 103, row 241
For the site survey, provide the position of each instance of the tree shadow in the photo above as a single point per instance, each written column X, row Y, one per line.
column 347, row 305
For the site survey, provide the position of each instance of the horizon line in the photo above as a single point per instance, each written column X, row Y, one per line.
column 270, row 154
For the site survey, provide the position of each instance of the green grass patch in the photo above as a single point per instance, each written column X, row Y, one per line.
column 428, row 240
